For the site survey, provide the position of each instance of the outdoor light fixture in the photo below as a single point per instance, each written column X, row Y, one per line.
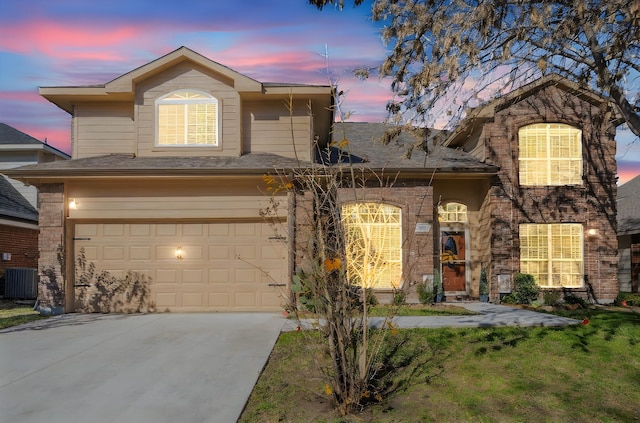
column 592, row 232
column 179, row 253
column 72, row 204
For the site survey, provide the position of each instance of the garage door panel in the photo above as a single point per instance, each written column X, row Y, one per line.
column 225, row 266
column 165, row 299
column 86, row 230
column 245, row 229
column 111, row 230
column 139, row 230
column 218, row 276
column 245, row 299
column 246, row 252
column 271, row 299
column 166, row 230
column 91, row 253
column 246, row 276
column 167, row 252
column 220, row 252
column 219, row 299
column 113, row 253
column 192, row 299
column 166, row 276
column 193, row 276
column 139, row 252
column 218, row 230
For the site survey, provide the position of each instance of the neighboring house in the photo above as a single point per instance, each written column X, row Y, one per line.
column 629, row 235
column 167, row 182
column 18, row 229
column 19, row 202
column 19, row 149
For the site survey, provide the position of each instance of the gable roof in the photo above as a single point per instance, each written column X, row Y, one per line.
column 122, row 88
column 629, row 207
column 477, row 116
column 12, row 139
column 13, row 205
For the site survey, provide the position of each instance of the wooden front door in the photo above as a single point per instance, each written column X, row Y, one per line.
column 454, row 261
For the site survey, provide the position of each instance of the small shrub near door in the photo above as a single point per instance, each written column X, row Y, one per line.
column 425, row 294
column 525, row 290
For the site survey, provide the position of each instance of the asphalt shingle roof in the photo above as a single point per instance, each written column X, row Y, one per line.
column 365, row 149
column 10, row 135
column 365, row 146
column 13, row 204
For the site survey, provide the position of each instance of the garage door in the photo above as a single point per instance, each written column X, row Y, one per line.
column 223, row 266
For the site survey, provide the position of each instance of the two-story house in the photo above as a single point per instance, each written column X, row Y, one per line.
column 167, row 183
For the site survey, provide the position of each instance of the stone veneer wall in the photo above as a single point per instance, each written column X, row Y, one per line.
column 51, row 289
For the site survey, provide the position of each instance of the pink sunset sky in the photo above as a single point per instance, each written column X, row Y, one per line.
column 80, row 42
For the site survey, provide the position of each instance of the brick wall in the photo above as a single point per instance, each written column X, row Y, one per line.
column 22, row 243
column 593, row 204
column 416, row 202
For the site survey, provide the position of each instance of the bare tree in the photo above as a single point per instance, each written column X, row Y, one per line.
column 439, row 47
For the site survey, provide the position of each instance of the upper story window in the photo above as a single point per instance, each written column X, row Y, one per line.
column 187, row 118
column 452, row 212
column 550, row 154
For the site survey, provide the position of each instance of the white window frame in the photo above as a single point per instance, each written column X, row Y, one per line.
column 452, row 212
column 555, row 160
column 557, row 270
column 377, row 263
column 199, row 98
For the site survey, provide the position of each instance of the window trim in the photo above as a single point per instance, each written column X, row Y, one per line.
column 550, row 261
column 210, row 99
column 525, row 179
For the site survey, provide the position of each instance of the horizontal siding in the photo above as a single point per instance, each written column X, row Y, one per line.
column 189, row 76
column 268, row 128
column 212, row 207
column 104, row 128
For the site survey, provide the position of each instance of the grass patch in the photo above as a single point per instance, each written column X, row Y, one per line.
column 422, row 310
column 577, row 373
column 382, row 310
column 12, row 314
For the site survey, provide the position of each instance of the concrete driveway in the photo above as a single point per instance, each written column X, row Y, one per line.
column 136, row 368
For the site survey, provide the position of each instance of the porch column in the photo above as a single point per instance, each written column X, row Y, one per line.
column 51, row 264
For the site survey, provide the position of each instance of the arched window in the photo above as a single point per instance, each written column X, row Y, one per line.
column 187, row 118
column 452, row 212
column 550, row 154
column 373, row 237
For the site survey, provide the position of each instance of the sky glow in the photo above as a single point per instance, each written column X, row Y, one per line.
column 79, row 42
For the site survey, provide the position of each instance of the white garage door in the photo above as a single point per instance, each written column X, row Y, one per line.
column 224, row 266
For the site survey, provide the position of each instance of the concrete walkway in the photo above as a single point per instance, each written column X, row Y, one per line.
column 489, row 315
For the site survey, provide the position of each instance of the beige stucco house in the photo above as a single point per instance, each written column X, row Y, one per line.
column 166, row 192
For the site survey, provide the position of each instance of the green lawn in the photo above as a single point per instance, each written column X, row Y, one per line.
column 585, row 373
column 12, row 314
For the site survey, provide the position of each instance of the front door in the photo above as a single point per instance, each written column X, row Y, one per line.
column 454, row 262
